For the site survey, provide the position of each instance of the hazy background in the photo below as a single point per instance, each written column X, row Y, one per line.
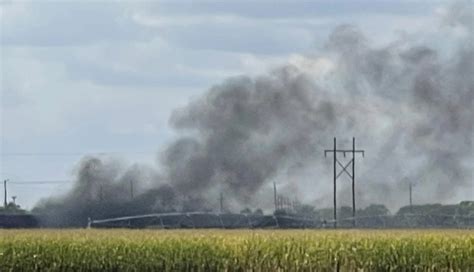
column 103, row 77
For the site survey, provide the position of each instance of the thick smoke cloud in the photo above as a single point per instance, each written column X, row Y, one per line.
column 410, row 105
column 247, row 130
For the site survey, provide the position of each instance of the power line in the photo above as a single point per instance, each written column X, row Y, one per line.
column 65, row 154
column 40, row 182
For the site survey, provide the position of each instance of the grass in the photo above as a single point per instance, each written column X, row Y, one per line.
column 236, row 250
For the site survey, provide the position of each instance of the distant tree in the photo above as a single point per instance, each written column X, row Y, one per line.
column 345, row 212
column 258, row 212
column 419, row 209
column 12, row 208
column 467, row 204
column 374, row 210
column 280, row 212
column 246, row 211
column 326, row 213
column 466, row 208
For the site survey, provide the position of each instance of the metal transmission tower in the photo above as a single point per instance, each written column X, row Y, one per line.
column 351, row 174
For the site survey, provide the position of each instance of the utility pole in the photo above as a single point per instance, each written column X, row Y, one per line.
column 275, row 196
column 334, row 167
column 410, row 185
column 336, row 162
column 221, row 202
column 353, row 182
column 131, row 189
column 5, row 189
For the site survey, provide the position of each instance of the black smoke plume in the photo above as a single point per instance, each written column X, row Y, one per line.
column 409, row 103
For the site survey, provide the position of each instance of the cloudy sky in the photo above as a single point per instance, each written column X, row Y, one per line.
column 82, row 77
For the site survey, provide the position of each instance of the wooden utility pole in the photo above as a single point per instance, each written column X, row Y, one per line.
column 353, row 183
column 5, row 189
column 410, row 186
column 275, row 196
column 221, row 202
column 344, row 170
column 131, row 189
column 335, row 178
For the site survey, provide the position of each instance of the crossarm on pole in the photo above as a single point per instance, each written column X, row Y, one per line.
column 344, row 169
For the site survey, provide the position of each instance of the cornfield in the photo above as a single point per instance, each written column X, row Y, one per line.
column 236, row 250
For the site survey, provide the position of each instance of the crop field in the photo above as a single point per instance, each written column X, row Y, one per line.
column 236, row 250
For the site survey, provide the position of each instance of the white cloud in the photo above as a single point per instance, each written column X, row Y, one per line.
column 67, row 24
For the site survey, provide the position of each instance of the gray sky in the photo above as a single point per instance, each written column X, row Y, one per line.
column 80, row 77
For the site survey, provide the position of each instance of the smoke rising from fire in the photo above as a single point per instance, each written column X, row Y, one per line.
column 409, row 104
